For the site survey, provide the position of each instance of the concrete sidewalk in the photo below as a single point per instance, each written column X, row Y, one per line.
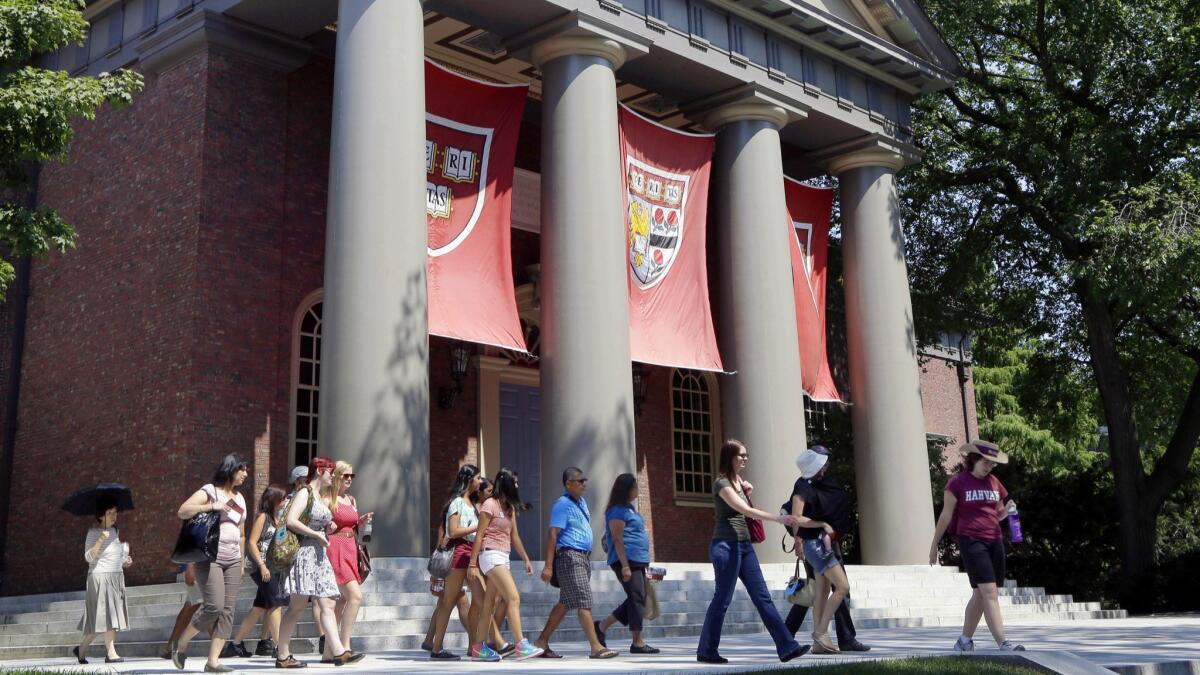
column 1108, row 643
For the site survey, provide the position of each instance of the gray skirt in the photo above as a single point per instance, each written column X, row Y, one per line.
column 105, row 608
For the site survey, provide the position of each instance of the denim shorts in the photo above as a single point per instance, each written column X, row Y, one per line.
column 817, row 555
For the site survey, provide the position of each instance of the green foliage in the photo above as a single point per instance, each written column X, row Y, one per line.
column 37, row 108
column 1056, row 210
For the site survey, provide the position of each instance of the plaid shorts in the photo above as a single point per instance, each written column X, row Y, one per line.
column 574, row 571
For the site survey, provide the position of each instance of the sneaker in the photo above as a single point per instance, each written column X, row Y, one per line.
column 427, row 646
column 265, row 648
column 241, row 651
column 444, row 655
column 482, row 652
column 507, row 649
column 964, row 644
column 229, row 651
column 526, row 650
column 1007, row 646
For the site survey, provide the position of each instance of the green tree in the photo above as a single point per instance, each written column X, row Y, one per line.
column 1058, row 196
column 37, row 108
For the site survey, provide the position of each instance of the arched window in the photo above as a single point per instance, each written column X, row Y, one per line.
column 694, row 430
column 306, row 378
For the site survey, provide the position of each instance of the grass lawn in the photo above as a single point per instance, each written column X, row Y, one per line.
column 944, row 665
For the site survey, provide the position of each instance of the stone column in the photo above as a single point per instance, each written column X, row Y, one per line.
column 763, row 401
column 375, row 388
column 587, row 389
column 892, row 467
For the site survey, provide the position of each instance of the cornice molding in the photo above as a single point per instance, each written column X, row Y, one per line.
column 208, row 29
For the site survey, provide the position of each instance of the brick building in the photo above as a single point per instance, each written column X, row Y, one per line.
column 188, row 321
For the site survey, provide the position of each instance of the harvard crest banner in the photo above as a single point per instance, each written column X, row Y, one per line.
column 471, row 132
column 809, row 209
column 666, row 199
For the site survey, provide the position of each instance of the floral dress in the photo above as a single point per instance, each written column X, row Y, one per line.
column 312, row 573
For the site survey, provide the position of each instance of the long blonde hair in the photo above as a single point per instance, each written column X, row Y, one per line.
column 330, row 494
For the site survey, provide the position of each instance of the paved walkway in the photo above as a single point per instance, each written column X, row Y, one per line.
column 1105, row 642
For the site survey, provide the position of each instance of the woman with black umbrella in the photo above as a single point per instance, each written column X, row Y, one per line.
column 104, row 610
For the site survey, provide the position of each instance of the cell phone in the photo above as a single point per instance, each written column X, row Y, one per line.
column 235, row 506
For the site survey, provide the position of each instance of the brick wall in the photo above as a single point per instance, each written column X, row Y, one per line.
column 108, row 389
column 942, row 401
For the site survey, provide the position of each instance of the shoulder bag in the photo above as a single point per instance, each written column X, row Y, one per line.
column 800, row 590
column 199, row 537
column 758, row 534
column 281, row 553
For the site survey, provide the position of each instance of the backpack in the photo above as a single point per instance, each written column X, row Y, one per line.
column 285, row 544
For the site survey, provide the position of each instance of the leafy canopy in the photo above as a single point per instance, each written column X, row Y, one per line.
column 37, row 108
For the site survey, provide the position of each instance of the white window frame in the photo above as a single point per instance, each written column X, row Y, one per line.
column 313, row 299
column 703, row 499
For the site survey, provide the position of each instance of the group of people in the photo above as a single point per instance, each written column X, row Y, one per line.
column 477, row 525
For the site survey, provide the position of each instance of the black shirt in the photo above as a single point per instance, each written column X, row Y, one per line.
column 824, row 500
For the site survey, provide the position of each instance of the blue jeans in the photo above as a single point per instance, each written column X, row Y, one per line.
column 733, row 560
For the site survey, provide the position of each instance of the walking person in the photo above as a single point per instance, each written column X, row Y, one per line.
column 343, row 549
column 269, row 598
column 191, row 603
column 628, row 556
column 974, row 503
column 824, row 489
column 733, row 558
column 490, row 554
column 220, row 579
column 824, row 510
column 311, row 574
column 104, row 608
column 299, row 478
column 569, row 562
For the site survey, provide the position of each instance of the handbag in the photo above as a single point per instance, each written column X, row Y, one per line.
column 364, row 562
column 652, row 609
column 440, row 562
column 758, row 534
column 199, row 538
column 800, row 590
column 285, row 544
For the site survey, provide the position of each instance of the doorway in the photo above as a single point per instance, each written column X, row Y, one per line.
column 520, row 419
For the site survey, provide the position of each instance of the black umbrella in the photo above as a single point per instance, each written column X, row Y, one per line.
column 86, row 501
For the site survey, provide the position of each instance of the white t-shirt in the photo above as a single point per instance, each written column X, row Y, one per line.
column 230, row 549
column 466, row 516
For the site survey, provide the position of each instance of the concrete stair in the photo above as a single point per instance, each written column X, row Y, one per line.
column 398, row 606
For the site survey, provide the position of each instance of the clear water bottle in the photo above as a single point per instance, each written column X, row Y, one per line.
column 366, row 532
column 1014, row 525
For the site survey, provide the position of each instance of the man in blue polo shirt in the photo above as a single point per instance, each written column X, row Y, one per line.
column 568, row 562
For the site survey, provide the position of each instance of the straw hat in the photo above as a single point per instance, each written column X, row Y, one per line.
column 984, row 449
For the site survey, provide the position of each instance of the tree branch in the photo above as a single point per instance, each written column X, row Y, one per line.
column 1172, row 467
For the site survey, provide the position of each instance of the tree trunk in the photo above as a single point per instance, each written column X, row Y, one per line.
column 1136, row 517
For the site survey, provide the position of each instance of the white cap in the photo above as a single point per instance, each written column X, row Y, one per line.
column 299, row 472
column 810, row 462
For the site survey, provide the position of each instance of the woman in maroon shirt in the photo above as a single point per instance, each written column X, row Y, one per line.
column 973, row 508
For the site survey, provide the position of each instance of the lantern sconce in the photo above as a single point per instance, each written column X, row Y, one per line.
column 460, row 357
column 641, row 378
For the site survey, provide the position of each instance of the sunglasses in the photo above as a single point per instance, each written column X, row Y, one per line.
column 347, row 475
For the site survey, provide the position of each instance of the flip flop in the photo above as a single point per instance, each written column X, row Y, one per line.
column 605, row 654
column 549, row 654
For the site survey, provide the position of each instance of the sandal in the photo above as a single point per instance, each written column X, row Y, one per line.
column 290, row 662
column 549, row 654
column 603, row 654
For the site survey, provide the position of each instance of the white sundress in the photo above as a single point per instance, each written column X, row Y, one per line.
column 312, row 573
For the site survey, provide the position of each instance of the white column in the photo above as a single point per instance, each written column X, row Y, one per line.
column 374, row 391
column 587, row 411
column 892, row 467
column 763, row 402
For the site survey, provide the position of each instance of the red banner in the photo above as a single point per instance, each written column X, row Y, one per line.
column 666, row 201
column 471, row 130
column 809, row 211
